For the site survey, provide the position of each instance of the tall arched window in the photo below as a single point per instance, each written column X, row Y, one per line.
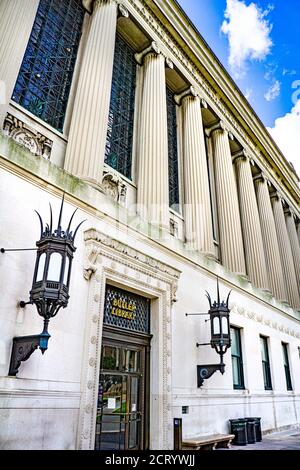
column 45, row 77
column 118, row 152
column 173, row 151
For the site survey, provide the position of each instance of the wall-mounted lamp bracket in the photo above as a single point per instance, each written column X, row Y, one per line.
column 4, row 250
column 207, row 370
column 22, row 303
column 23, row 347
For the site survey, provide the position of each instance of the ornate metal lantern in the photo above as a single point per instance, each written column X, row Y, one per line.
column 220, row 335
column 219, row 323
column 50, row 286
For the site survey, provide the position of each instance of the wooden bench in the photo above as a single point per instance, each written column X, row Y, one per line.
column 208, row 442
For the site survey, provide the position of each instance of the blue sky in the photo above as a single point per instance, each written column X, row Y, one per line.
column 258, row 42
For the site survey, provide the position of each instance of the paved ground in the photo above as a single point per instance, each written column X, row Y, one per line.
column 286, row 440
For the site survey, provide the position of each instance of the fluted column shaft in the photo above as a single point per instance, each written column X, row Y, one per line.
column 153, row 181
column 198, row 217
column 16, row 22
column 298, row 231
column 231, row 240
column 88, row 131
column 254, row 248
column 285, row 252
column 269, row 235
column 292, row 232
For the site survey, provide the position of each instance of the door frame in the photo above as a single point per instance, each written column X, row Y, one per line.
column 110, row 261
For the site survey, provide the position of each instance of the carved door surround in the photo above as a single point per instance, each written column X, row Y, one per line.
column 111, row 261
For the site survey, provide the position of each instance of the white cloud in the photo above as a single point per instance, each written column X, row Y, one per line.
column 288, row 72
column 273, row 91
column 248, row 93
column 286, row 132
column 248, row 33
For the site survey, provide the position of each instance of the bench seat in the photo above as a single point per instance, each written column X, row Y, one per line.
column 208, row 442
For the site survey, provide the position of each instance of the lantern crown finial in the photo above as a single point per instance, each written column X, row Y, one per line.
column 47, row 230
column 218, row 303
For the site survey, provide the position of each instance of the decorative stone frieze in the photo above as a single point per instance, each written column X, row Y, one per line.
column 258, row 317
column 34, row 141
column 93, row 251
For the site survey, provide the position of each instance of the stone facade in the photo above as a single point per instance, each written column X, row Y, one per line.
column 238, row 221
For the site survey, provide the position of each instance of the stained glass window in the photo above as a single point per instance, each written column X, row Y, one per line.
column 45, row 77
column 173, row 151
column 118, row 152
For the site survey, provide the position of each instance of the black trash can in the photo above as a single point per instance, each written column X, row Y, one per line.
column 258, row 434
column 251, row 434
column 239, row 429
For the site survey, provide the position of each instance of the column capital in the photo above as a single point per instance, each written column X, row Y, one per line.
column 219, row 126
column 289, row 211
column 274, row 195
column 153, row 48
column 240, row 154
column 190, row 91
column 89, row 5
column 261, row 178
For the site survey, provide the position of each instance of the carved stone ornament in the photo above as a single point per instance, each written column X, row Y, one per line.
column 114, row 186
column 24, row 135
column 173, row 228
column 90, row 265
column 96, row 241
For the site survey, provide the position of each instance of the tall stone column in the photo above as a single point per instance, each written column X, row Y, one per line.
column 231, row 239
column 269, row 235
column 298, row 230
column 153, row 180
column 254, row 248
column 285, row 252
column 197, row 207
column 88, row 130
column 295, row 246
column 16, row 22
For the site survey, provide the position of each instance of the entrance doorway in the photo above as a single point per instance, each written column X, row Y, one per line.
column 123, row 394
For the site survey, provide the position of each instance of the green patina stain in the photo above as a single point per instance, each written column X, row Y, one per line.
column 40, row 167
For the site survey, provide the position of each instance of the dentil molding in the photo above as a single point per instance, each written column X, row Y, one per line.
column 259, row 318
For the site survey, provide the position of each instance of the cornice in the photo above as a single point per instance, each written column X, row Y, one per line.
column 181, row 37
column 93, row 235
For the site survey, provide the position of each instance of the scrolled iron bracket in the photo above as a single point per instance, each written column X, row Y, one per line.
column 23, row 347
column 206, row 371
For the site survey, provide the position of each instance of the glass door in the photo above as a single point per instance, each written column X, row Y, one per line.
column 120, row 413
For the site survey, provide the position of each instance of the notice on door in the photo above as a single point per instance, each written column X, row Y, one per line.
column 111, row 403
